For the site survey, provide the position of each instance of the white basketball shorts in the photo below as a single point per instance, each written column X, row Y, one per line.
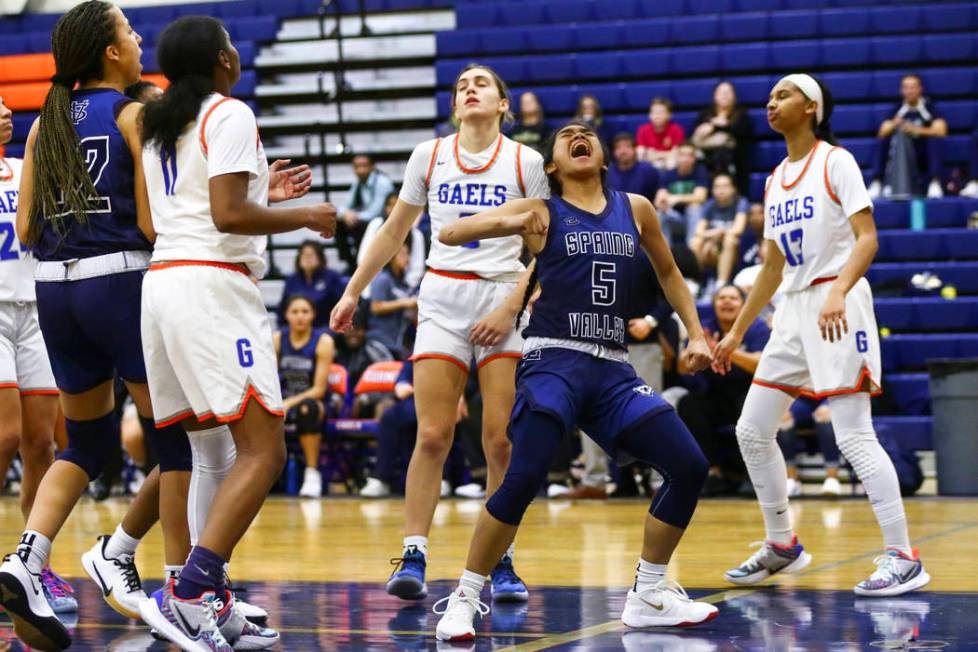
column 207, row 343
column 797, row 359
column 24, row 363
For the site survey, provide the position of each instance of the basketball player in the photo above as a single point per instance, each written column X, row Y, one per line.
column 456, row 177
column 28, row 395
column 305, row 355
column 574, row 371
column 820, row 239
column 83, row 212
column 208, row 183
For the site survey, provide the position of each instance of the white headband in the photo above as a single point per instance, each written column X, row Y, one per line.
column 807, row 85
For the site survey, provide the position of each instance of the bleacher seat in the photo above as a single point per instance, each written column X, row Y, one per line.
column 927, row 314
column 932, row 244
column 911, row 352
column 962, row 275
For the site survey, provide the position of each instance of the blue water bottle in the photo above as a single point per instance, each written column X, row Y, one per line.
column 292, row 475
column 918, row 214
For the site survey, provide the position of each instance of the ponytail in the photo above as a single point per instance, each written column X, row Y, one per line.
column 165, row 119
column 62, row 184
column 530, row 287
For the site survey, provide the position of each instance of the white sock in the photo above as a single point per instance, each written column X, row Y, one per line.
column 418, row 541
column 34, row 548
column 510, row 551
column 172, row 572
column 213, row 456
column 647, row 575
column 472, row 583
column 120, row 544
column 852, row 421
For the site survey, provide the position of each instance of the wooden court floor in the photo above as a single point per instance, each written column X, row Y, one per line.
column 319, row 567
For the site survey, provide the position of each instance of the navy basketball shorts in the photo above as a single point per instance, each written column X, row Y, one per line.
column 91, row 328
column 602, row 397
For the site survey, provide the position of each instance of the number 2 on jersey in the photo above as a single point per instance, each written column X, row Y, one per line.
column 8, row 242
column 792, row 242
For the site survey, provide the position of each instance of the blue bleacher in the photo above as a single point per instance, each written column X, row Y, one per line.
column 961, row 275
column 911, row 352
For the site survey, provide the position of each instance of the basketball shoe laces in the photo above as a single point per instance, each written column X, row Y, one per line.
column 454, row 599
column 56, row 585
column 127, row 564
column 886, row 569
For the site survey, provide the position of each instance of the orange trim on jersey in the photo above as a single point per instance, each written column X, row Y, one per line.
column 824, row 279
column 519, row 169
column 431, row 163
column 828, row 186
column 40, row 392
column 440, row 356
column 497, row 356
column 233, row 267
column 6, row 172
column 177, row 418
column 811, row 157
column 495, row 155
column 9, row 386
column 250, row 394
column 864, row 374
column 203, row 123
column 459, row 276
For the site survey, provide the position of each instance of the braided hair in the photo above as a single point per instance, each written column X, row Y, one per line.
column 62, row 184
column 556, row 190
column 188, row 50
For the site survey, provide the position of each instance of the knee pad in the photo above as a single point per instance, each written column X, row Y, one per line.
column 213, row 451
column 89, row 442
column 515, row 494
column 755, row 447
column 170, row 444
column 308, row 417
column 863, row 451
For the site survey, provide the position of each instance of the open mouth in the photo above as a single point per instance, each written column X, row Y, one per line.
column 472, row 100
column 580, row 149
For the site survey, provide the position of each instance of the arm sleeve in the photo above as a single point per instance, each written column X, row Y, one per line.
column 375, row 207
column 846, row 181
column 743, row 206
column 415, row 190
column 231, row 140
column 534, row 178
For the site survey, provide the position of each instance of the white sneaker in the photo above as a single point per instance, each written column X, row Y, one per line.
column 770, row 559
column 457, row 619
column 191, row 624
column 446, row 489
column 117, row 578
column 874, row 190
column 665, row 605
column 970, row 190
column 312, row 484
column 471, row 490
column 895, row 574
column 556, row 490
column 252, row 612
column 21, row 595
column 794, row 488
column 241, row 633
column 832, row 487
column 934, row 190
column 375, row 489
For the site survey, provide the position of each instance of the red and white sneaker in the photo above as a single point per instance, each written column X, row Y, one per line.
column 457, row 619
column 770, row 559
column 665, row 605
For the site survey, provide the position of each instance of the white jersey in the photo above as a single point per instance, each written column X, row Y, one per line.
column 807, row 206
column 455, row 184
column 16, row 263
column 223, row 140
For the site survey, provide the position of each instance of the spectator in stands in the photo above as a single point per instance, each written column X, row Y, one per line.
column 393, row 303
column 716, row 241
column 971, row 188
column 356, row 351
column 314, row 280
column 713, row 404
column 725, row 135
column 682, row 193
column 364, row 202
column 530, row 130
column 808, row 412
column 912, row 136
column 144, row 91
column 659, row 138
column 305, row 355
column 416, row 266
column 589, row 111
column 628, row 174
column 752, row 239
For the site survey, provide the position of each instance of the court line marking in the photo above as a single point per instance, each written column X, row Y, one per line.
column 316, row 630
column 554, row 640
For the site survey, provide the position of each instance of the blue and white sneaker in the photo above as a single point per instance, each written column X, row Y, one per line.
column 191, row 624
column 58, row 592
column 770, row 559
column 506, row 584
column 407, row 580
column 896, row 573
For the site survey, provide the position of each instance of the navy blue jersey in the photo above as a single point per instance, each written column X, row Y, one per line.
column 111, row 224
column 297, row 367
column 587, row 270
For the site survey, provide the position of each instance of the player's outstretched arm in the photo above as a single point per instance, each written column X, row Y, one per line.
column 382, row 248
column 697, row 355
column 524, row 217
